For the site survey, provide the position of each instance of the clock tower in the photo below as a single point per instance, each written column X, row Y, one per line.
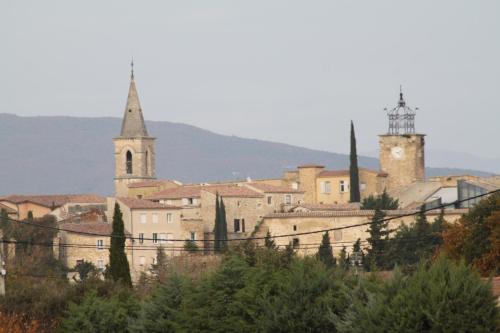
column 401, row 149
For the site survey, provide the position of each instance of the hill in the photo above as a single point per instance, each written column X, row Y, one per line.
column 73, row 155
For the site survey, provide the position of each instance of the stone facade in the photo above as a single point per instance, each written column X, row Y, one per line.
column 291, row 223
column 402, row 158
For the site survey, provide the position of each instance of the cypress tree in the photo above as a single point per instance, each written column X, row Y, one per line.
column 325, row 253
column 217, row 225
column 223, row 223
column 119, row 269
column 355, row 196
column 344, row 259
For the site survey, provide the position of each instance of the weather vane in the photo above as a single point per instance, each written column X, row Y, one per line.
column 132, row 68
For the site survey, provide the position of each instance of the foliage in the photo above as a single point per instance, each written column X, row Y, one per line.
column 325, row 253
column 344, row 259
column 476, row 236
column 86, row 269
column 158, row 269
column 190, row 246
column 355, row 195
column 375, row 257
column 383, row 202
column 220, row 227
column 445, row 297
column 101, row 314
column 118, row 264
column 269, row 242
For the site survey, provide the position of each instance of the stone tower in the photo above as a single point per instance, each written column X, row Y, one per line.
column 134, row 148
column 401, row 149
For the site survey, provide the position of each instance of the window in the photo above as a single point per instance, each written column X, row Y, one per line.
column 192, row 235
column 139, row 196
column 295, row 185
column 288, row 199
column 141, row 238
column 295, row 243
column 239, row 203
column 169, row 217
column 294, row 228
column 128, row 163
column 326, row 187
column 100, row 244
column 269, row 200
column 163, row 238
column 155, row 217
column 242, row 225
column 155, row 238
column 190, row 201
column 362, row 186
column 142, row 261
column 344, row 187
column 100, row 264
column 170, row 238
column 337, row 235
column 236, row 225
column 143, row 218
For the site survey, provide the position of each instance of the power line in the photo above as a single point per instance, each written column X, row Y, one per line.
column 454, row 203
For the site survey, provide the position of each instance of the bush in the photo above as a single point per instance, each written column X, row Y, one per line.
column 446, row 297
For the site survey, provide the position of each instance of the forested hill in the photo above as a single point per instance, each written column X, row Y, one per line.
column 73, row 155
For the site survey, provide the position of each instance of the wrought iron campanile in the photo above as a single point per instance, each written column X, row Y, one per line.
column 401, row 118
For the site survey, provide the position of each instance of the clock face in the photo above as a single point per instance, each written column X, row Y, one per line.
column 397, row 153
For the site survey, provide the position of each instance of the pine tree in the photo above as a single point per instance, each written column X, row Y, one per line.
column 325, row 253
column 383, row 201
column 355, row 196
column 118, row 264
column 269, row 242
column 378, row 234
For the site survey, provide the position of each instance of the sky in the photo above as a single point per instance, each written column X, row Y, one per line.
column 288, row 71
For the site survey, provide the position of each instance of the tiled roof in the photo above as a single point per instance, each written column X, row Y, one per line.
column 266, row 188
column 366, row 213
column 133, row 203
column 151, row 183
column 327, row 207
column 55, row 200
column 100, row 228
column 333, row 173
column 189, row 191
column 233, row 191
column 194, row 191
column 7, row 209
column 345, row 173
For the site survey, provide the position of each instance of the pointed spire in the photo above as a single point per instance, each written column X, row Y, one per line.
column 133, row 120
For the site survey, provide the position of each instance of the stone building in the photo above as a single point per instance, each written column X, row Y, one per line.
column 58, row 205
column 75, row 247
column 307, row 221
column 134, row 148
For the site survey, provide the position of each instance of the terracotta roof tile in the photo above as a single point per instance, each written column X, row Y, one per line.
column 56, row 200
column 152, row 183
column 333, row 173
column 7, row 209
column 189, row 191
column 328, row 207
column 311, row 165
column 266, row 188
column 133, row 203
column 100, row 228
column 366, row 213
column 233, row 191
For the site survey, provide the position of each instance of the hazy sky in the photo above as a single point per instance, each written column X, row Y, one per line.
column 288, row 71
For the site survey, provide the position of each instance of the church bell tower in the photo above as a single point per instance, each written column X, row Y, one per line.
column 134, row 148
column 401, row 149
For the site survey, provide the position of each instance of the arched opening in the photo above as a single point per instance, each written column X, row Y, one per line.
column 147, row 163
column 128, row 163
